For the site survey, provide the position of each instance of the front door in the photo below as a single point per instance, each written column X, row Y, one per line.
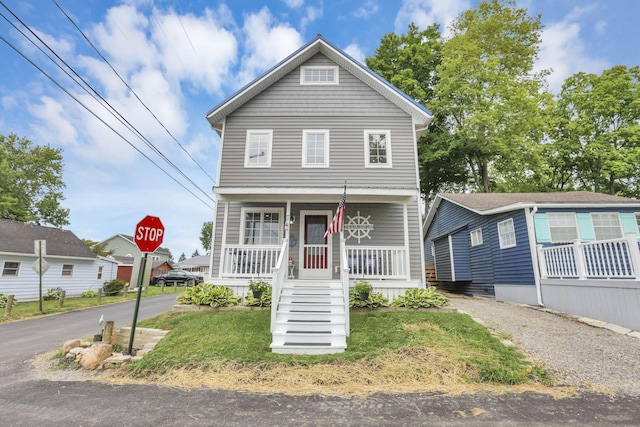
column 315, row 250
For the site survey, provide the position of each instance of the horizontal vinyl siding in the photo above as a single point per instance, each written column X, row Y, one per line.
column 461, row 257
column 512, row 266
column 346, row 151
column 443, row 260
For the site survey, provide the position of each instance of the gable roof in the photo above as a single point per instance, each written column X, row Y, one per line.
column 421, row 116
column 196, row 260
column 18, row 237
column 493, row 203
column 129, row 239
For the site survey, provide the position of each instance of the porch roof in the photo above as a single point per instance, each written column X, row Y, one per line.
column 317, row 194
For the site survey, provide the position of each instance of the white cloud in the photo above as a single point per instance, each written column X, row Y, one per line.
column 312, row 14
column 424, row 13
column 294, row 4
column 266, row 44
column 355, row 52
column 367, row 10
column 58, row 127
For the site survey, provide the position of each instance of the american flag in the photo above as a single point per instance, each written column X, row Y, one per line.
column 337, row 223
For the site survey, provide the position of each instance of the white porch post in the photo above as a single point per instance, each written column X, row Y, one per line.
column 542, row 262
column 581, row 269
column 407, row 261
column 223, row 243
column 634, row 254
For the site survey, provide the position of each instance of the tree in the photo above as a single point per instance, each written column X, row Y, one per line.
column 597, row 142
column 182, row 257
column 490, row 97
column 98, row 248
column 31, row 185
column 409, row 62
column 195, row 253
column 205, row 235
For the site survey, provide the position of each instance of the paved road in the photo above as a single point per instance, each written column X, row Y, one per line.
column 26, row 400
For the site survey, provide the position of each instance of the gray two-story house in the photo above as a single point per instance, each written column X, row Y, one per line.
column 291, row 142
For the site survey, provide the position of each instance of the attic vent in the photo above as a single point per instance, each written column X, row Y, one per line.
column 317, row 75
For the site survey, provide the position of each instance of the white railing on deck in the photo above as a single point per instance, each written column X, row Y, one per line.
column 376, row 262
column 279, row 274
column 606, row 259
column 344, row 278
column 249, row 261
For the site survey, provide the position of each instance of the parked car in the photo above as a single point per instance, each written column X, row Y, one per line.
column 176, row 277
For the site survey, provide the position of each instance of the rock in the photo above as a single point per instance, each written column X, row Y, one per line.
column 95, row 355
column 68, row 345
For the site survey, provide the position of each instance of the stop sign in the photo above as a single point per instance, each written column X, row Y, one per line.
column 149, row 234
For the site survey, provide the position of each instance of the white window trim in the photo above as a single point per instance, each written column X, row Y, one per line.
column 269, row 150
column 638, row 222
column 500, row 239
column 100, row 272
column 73, row 267
column 367, row 154
column 326, row 148
column 575, row 223
column 617, row 214
column 477, row 241
column 4, row 266
column 261, row 210
column 335, row 69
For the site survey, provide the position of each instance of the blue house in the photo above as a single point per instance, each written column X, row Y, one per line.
column 561, row 250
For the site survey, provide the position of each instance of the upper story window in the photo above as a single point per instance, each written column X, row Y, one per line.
column 257, row 153
column 606, row 226
column 315, row 148
column 10, row 268
column 319, row 75
column 506, row 234
column 476, row 237
column 562, row 227
column 377, row 148
column 261, row 226
column 67, row 270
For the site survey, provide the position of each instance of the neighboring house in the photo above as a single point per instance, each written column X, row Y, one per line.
column 290, row 141
column 198, row 265
column 124, row 246
column 570, row 251
column 125, row 267
column 158, row 267
column 72, row 265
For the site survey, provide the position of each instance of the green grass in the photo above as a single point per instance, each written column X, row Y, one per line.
column 31, row 309
column 201, row 340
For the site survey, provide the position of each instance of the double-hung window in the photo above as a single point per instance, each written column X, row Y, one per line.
column 476, row 237
column 562, row 227
column 377, row 148
column 100, row 269
column 10, row 268
column 506, row 234
column 261, row 226
column 606, row 225
column 319, row 75
column 315, row 148
column 257, row 153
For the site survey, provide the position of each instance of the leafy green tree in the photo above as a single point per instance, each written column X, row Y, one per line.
column 492, row 100
column 31, row 185
column 205, row 235
column 409, row 62
column 597, row 141
column 98, row 248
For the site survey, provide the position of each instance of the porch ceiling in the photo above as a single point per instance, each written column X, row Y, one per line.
column 317, row 195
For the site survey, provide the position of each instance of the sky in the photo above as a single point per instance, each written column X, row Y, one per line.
column 163, row 64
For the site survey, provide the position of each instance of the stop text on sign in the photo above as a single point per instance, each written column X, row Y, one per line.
column 149, row 234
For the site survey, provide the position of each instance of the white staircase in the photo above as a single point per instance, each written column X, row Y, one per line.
column 310, row 318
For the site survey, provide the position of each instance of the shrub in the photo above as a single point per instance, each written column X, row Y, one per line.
column 264, row 301
column 113, row 286
column 51, row 295
column 259, row 285
column 375, row 299
column 89, row 294
column 209, row 294
column 420, row 298
column 4, row 299
column 362, row 287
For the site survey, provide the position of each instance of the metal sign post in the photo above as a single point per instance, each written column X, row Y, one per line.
column 143, row 267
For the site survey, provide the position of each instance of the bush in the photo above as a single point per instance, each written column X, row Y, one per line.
column 264, row 301
column 113, row 287
column 362, row 287
column 375, row 299
column 51, row 295
column 4, row 299
column 209, row 294
column 259, row 285
column 420, row 298
column 89, row 294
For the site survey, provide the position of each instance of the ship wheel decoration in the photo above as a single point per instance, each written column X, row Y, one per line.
column 358, row 227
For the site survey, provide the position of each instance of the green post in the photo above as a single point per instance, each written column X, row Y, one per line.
column 143, row 268
column 40, row 274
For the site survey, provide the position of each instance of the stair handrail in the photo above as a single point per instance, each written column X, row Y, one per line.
column 344, row 278
column 279, row 273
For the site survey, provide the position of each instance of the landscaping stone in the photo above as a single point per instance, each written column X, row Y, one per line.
column 68, row 345
column 95, row 355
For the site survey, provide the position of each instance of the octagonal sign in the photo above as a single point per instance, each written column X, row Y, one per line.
column 149, row 234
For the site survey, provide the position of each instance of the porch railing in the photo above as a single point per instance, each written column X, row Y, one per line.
column 279, row 274
column 376, row 262
column 344, row 279
column 607, row 259
column 249, row 261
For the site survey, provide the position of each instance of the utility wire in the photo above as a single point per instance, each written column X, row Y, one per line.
column 99, row 118
column 131, row 89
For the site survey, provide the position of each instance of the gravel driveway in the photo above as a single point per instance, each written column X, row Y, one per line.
column 574, row 352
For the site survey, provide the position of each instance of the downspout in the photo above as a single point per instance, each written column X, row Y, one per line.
column 534, row 251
